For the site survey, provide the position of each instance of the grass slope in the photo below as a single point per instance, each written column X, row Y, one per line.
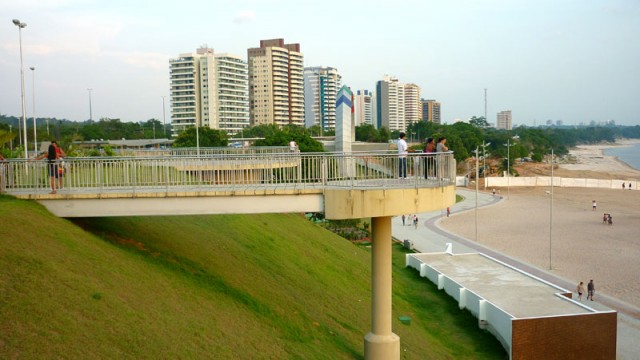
column 245, row 287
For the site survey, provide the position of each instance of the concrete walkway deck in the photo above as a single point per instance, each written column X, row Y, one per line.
column 428, row 237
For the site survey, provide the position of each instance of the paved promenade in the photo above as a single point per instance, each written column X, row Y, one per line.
column 428, row 237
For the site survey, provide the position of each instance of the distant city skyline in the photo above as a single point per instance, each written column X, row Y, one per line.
column 569, row 61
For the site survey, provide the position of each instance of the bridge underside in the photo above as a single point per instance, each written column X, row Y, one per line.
column 183, row 204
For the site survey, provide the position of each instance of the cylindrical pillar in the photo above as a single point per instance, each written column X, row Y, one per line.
column 381, row 343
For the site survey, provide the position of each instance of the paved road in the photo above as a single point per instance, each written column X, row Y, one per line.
column 429, row 237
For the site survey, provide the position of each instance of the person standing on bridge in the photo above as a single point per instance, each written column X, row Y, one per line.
column 403, row 150
column 293, row 147
column 52, row 163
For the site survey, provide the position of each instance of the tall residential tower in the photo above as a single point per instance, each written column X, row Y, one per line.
column 321, row 85
column 430, row 111
column 276, row 85
column 503, row 120
column 209, row 90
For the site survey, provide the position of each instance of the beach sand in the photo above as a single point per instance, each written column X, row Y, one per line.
column 582, row 247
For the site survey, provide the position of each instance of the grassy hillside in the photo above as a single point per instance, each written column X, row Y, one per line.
column 245, row 287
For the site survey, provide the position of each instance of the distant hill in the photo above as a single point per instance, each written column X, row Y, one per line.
column 225, row 287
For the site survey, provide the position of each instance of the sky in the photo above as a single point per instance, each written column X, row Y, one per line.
column 569, row 60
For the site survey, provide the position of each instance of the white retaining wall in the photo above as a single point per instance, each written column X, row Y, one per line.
column 560, row 182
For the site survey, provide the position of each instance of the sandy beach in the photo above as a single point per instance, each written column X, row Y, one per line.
column 582, row 247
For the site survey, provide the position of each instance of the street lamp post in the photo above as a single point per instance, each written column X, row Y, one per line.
column 11, row 137
column 21, row 26
column 477, row 175
column 484, row 162
column 508, row 145
column 164, row 119
column 551, row 211
column 90, row 110
column 33, row 86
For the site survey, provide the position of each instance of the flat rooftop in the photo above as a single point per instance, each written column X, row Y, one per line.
column 517, row 293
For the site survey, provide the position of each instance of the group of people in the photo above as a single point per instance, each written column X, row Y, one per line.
column 413, row 220
column 623, row 185
column 54, row 157
column 429, row 163
column 607, row 219
column 591, row 289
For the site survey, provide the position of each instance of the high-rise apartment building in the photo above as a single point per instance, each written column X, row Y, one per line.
column 364, row 107
column 503, row 120
column 321, row 85
column 412, row 109
column 209, row 90
column 430, row 110
column 276, row 84
column 390, row 104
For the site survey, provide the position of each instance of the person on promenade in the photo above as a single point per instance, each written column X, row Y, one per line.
column 605, row 217
column 403, row 150
column 629, row 185
column 415, row 221
column 52, row 161
column 591, row 289
column 429, row 162
column 442, row 145
column 2, row 171
column 448, row 211
column 440, row 148
column 293, row 147
column 593, row 205
column 580, row 290
column 610, row 219
column 622, row 186
column 60, row 158
column 494, row 192
column 403, row 217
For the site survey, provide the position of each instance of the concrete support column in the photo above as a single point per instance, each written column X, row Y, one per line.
column 381, row 343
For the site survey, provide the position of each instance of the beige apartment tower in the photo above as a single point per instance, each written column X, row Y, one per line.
column 208, row 90
column 430, row 111
column 503, row 120
column 276, row 83
column 412, row 110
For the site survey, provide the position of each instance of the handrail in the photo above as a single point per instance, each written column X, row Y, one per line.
column 358, row 170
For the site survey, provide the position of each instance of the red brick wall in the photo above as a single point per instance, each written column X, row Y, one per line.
column 587, row 336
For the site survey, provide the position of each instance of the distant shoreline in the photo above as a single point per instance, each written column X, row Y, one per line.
column 592, row 158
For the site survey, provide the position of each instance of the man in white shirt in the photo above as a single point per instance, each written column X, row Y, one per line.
column 293, row 147
column 402, row 155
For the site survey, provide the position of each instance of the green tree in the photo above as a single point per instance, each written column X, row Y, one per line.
column 208, row 138
column 479, row 122
column 282, row 137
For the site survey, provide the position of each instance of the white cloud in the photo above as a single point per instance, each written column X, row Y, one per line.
column 246, row 16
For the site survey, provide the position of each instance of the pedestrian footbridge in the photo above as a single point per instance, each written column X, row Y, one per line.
column 342, row 185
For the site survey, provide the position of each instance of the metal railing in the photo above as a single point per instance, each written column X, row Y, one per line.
column 236, row 171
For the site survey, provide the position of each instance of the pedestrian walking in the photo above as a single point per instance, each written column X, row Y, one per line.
column 622, row 186
column 580, row 290
column 403, row 217
column 448, row 211
column 593, row 205
column 591, row 289
column 494, row 192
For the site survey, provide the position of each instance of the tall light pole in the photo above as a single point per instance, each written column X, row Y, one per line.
column 484, row 162
column 164, row 119
column 508, row 145
column 11, row 136
column 21, row 26
column 33, row 86
column 477, row 175
column 90, row 110
column 551, row 211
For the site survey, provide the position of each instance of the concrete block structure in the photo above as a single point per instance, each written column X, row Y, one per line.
column 532, row 318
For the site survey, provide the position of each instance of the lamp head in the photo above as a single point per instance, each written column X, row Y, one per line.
column 16, row 22
column 32, row 68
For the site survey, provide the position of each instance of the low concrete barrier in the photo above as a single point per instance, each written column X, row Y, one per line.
column 560, row 182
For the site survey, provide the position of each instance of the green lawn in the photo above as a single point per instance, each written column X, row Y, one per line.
column 244, row 287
